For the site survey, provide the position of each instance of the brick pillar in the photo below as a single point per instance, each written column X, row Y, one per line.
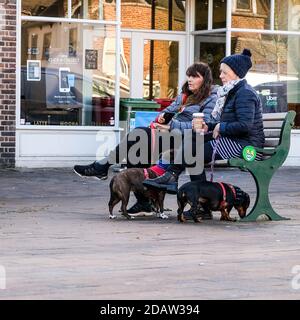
column 7, row 83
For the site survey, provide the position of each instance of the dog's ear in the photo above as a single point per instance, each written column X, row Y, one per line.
column 247, row 200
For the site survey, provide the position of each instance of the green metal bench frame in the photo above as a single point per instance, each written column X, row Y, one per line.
column 263, row 171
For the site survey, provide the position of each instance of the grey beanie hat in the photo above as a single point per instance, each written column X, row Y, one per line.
column 239, row 63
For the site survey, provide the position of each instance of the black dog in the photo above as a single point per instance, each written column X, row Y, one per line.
column 213, row 196
column 132, row 180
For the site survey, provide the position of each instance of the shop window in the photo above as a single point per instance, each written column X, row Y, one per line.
column 211, row 49
column 152, row 14
column 245, row 5
column 72, row 42
column 160, row 69
column 45, row 8
column 69, row 77
column 201, row 15
column 46, row 45
column 219, row 14
column 87, row 9
column 287, row 15
column 94, row 9
column 253, row 14
column 275, row 74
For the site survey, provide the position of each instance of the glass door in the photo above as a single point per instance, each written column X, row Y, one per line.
column 157, row 64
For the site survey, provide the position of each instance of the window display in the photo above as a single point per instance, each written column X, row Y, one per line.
column 62, row 89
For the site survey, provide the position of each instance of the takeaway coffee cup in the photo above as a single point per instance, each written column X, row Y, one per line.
column 198, row 119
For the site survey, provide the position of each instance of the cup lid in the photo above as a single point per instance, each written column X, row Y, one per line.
column 198, row 114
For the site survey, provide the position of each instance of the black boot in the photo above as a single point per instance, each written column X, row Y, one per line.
column 94, row 169
column 140, row 207
column 167, row 182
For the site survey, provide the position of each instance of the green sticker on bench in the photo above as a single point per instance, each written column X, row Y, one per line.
column 249, row 153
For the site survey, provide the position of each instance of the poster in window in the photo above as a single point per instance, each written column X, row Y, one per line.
column 33, row 70
column 91, row 59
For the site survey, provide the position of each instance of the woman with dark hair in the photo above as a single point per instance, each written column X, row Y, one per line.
column 198, row 95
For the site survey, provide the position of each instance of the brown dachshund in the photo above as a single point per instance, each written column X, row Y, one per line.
column 212, row 196
column 132, row 180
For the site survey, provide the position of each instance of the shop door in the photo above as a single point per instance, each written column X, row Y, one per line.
column 157, row 64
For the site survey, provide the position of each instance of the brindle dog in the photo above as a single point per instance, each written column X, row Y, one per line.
column 210, row 196
column 131, row 180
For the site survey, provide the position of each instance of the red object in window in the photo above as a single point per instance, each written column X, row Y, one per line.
column 163, row 103
column 103, row 111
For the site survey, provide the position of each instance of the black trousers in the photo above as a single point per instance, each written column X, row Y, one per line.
column 151, row 140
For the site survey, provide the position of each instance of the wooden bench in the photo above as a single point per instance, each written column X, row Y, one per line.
column 277, row 129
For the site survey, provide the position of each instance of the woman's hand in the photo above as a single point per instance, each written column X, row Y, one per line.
column 161, row 118
column 204, row 127
column 216, row 132
column 162, row 127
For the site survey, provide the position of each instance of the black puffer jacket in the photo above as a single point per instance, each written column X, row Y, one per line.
column 241, row 119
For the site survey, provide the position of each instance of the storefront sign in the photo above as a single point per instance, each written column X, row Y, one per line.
column 91, row 59
column 33, row 70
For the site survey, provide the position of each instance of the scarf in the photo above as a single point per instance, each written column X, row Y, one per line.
column 222, row 94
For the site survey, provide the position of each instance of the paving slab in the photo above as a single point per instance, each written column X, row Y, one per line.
column 57, row 242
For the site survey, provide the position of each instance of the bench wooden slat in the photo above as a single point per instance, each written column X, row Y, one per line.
column 274, row 116
column 271, row 142
column 272, row 124
column 272, row 133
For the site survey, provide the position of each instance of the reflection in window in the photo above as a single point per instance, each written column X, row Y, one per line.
column 46, row 45
column 152, row 14
column 46, row 8
column 287, row 15
column 34, row 50
column 72, row 42
column 94, row 9
column 244, row 5
column 255, row 17
column 125, row 68
column 160, row 69
column 276, row 72
column 219, row 14
column 81, row 9
column 201, row 15
column 70, row 80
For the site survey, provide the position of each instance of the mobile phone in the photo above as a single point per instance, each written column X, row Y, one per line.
column 168, row 116
column 64, row 85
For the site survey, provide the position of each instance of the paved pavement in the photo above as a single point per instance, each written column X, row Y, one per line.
column 58, row 243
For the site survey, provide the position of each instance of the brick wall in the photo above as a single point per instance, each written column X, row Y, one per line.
column 7, row 82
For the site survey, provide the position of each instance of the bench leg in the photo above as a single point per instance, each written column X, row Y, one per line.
column 262, row 203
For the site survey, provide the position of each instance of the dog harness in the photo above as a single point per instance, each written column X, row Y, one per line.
column 224, row 193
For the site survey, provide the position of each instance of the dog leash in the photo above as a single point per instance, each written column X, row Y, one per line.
column 212, row 163
column 146, row 173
